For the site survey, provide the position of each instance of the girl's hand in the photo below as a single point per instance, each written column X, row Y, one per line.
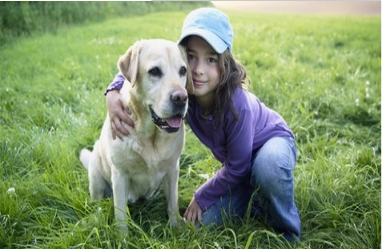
column 117, row 115
column 193, row 213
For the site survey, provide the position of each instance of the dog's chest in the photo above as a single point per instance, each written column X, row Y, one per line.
column 143, row 151
column 143, row 164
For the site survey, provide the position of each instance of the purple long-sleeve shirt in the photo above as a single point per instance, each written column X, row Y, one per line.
column 233, row 143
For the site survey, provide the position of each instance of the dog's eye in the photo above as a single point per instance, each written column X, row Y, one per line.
column 182, row 71
column 155, row 71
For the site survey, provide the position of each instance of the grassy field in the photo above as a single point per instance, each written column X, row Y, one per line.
column 322, row 73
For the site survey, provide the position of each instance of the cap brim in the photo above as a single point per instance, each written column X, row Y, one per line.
column 216, row 43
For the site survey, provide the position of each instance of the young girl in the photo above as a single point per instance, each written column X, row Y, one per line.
column 253, row 142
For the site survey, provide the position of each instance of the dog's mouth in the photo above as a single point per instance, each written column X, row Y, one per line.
column 169, row 125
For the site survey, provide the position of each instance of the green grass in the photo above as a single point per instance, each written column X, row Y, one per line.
column 322, row 73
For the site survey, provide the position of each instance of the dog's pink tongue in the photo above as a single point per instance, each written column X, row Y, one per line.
column 174, row 122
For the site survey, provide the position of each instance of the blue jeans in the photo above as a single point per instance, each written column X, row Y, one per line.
column 270, row 192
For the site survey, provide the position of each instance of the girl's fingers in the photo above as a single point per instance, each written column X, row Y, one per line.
column 188, row 215
column 124, row 114
column 185, row 215
column 113, row 133
column 193, row 214
column 120, row 128
column 199, row 218
column 117, row 130
column 126, row 119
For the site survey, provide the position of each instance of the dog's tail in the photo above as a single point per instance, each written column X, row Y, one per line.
column 85, row 155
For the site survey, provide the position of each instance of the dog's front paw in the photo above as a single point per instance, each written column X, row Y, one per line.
column 175, row 220
column 121, row 227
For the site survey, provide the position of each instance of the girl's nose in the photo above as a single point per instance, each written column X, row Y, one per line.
column 198, row 68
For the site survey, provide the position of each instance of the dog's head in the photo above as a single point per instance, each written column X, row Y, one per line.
column 159, row 71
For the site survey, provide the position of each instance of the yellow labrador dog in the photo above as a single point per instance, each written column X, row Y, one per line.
column 155, row 91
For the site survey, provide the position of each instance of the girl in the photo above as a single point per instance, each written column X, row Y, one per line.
column 253, row 142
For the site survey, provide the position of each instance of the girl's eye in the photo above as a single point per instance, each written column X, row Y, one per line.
column 212, row 60
column 190, row 56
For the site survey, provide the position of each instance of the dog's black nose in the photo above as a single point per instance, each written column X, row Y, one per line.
column 179, row 97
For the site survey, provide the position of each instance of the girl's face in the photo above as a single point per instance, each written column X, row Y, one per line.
column 203, row 61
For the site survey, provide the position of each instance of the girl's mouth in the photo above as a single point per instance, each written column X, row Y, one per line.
column 199, row 83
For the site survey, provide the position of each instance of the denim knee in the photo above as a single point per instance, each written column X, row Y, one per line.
column 272, row 175
column 273, row 165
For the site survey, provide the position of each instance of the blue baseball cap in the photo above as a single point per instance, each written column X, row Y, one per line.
column 212, row 25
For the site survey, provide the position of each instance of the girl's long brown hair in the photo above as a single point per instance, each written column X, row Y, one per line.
column 232, row 75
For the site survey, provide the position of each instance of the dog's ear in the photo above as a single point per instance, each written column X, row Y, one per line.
column 128, row 63
column 189, row 84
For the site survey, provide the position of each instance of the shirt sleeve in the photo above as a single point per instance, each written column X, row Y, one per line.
column 116, row 84
column 236, row 167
